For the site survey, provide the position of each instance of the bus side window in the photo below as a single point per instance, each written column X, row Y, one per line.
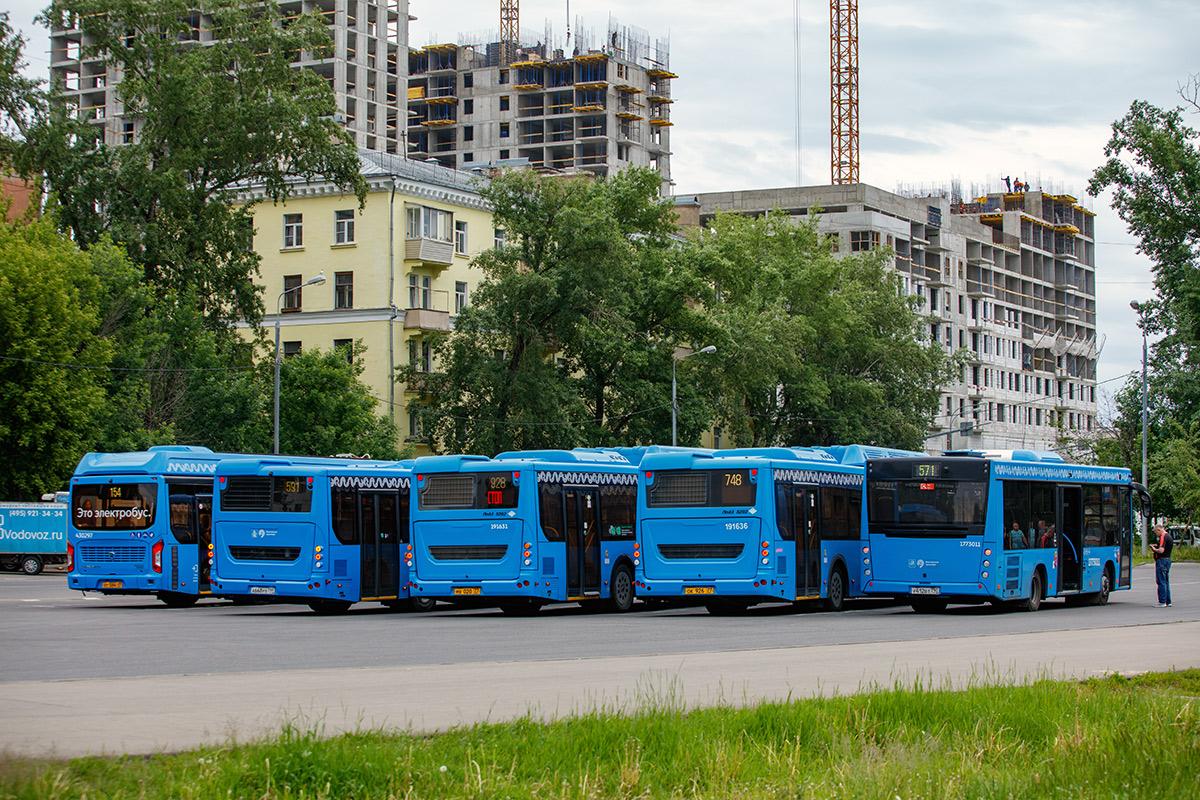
column 183, row 523
column 550, row 510
column 345, row 516
column 618, row 509
column 783, row 520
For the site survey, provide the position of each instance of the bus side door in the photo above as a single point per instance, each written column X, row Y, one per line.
column 583, row 540
column 806, row 519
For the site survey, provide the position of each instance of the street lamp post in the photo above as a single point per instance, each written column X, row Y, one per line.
column 1140, row 308
column 674, row 399
column 310, row 282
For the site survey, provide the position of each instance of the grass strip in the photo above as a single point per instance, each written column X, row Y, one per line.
column 1114, row 737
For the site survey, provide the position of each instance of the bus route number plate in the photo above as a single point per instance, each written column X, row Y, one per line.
column 111, row 584
column 467, row 590
column 262, row 590
column 926, row 590
column 698, row 590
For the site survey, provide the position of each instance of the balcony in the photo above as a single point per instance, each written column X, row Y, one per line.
column 429, row 251
column 426, row 319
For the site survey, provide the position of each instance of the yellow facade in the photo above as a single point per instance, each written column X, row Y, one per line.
column 396, row 270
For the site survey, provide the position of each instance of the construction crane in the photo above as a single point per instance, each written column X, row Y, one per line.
column 843, row 73
column 510, row 34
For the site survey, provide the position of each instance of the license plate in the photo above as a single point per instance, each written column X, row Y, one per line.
column 925, row 590
column 698, row 590
column 262, row 590
column 112, row 584
column 468, row 590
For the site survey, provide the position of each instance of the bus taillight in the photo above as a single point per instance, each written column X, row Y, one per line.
column 156, row 557
column 70, row 557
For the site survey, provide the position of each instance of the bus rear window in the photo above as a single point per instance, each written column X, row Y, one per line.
column 114, row 506
column 931, row 503
column 701, row 489
column 275, row 494
column 480, row 492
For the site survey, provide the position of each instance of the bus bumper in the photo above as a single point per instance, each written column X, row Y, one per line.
column 533, row 588
column 120, row 584
column 763, row 589
column 290, row 591
column 905, row 589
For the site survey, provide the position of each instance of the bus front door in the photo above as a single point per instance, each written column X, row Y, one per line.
column 1070, row 538
column 204, row 554
column 808, row 546
column 583, row 541
column 380, row 548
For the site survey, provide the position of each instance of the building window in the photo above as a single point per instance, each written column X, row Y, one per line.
column 419, row 290
column 292, row 292
column 498, row 237
column 343, row 227
column 468, row 80
column 293, row 230
column 460, row 296
column 503, row 76
column 503, row 154
column 420, row 355
column 347, row 348
column 468, row 157
column 504, row 102
column 503, row 130
column 460, row 237
column 428, row 223
column 861, row 241
column 291, row 349
column 468, row 133
column 468, row 105
column 127, row 136
column 343, row 290
column 414, row 425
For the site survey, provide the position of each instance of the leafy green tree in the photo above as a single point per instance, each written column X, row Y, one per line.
column 1176, row 469
column 568, row 340
column 21, row 98
column 814, row 348
column 325, row 409
column 51, row 357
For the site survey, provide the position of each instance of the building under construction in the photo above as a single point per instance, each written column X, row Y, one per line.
column 1008, row 278
column 581, row 104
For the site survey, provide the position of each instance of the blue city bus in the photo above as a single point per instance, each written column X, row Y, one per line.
column 733, row 528
column 1008, row 527
column 323, row 532
column 525, row 528
column 140, row 522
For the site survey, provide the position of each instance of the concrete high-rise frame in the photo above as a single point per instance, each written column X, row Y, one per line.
column 594, row 109
column 366, row 70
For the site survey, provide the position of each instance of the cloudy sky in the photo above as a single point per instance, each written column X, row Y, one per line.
column 969, row 91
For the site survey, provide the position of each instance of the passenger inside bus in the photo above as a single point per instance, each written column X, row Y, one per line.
column 1016, row 537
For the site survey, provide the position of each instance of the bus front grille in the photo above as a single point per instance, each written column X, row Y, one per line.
column 242, row 553
column 474, row 552
column 246, row 493
column 116, row 554
column 682, row 551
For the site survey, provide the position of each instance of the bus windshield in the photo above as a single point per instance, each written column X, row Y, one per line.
column 113, row 506
column 928, row 503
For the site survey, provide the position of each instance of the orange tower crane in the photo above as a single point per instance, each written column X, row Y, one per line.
column 843, row 69
column 510, row 13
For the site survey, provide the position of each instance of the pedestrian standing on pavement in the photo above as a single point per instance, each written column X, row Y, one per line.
column 1162, row 564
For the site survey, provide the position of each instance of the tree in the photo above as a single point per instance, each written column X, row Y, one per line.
column 814, row 349
column 51, row 357
column 327, row 410
column 569, row 338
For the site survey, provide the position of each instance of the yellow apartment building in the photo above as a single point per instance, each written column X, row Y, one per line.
column 395, row 272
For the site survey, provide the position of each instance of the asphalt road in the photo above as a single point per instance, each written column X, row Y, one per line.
column 94, row 674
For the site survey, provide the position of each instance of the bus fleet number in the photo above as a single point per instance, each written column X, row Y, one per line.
column 737, row 526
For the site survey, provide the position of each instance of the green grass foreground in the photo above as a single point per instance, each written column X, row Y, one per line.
column 1107, row 738
column 1180, row 554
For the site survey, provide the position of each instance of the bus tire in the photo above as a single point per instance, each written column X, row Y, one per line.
column 928, row 605
column 835, row 592
column 327, row 607
column 31, row 565
column 520, row 607
column 620, row 589
column 1100, row 598
column 177, row 600
column 1036, row 593
column 421, row 604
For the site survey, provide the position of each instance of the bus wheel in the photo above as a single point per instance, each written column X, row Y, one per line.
column 520, row 607
column 1036, row 593
column 177, row 600
column 835, row 594
column 422, row 604
column 31, row 565
column 327, row 607
column 1100, row 598
column 620, row 590
column 928, row 605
